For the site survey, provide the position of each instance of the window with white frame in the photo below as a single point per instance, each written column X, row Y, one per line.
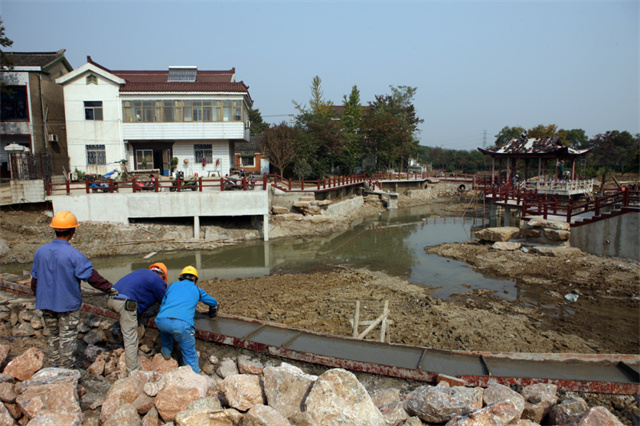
column 182, row 110
column 93, row 110
column 248, row 160
column 96, row 155
column 203, row 150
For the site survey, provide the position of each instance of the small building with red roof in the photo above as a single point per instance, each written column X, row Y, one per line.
column 150, row 117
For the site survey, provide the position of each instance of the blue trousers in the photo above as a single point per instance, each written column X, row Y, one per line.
column 184, row 334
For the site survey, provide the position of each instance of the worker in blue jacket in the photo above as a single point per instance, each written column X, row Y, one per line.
column 176, row 317
column 58, row 268
column 137, row 292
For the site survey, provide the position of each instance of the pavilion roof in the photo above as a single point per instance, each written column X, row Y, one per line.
column 524, row 147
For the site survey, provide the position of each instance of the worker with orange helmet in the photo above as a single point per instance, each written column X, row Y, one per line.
column 58, row 268
column 137, row 292
column 176, row 317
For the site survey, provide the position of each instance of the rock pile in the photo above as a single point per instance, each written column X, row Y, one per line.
column 244, row 391
column 543, row 236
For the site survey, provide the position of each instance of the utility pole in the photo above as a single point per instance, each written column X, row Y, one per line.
column 484, row 140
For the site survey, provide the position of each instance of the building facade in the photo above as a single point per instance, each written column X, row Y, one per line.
column 154, row 121
column 32, row 108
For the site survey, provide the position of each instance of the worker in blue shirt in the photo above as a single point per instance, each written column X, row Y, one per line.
column 58, row 268
column 176, row 317
column 137, row 292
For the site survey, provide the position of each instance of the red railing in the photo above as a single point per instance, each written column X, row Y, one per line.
column 156, row 185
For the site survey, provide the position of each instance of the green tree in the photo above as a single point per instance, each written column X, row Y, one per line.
column 542, row 131
column 574, row 138
column 322, row 138
column 278, row 143
column 5, row 62
column 613, row 149
column 507, row 133
column 257, row 124
column 317, row 103
column 391, row 124
column 351, row 122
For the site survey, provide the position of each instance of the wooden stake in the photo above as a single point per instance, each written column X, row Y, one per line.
column 356, row 319
column 383, row 327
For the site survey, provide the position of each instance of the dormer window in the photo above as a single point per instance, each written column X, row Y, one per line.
column 92, row 79
column 182, row 74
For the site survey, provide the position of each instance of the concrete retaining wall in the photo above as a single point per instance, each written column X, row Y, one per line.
column 27, row 191
column 118, row 208
column 344, row 207
column 286, row 199
column 616, row 236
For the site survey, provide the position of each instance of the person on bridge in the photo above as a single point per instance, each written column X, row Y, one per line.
column 176, row 317
column 137, row 292
column 57, row 271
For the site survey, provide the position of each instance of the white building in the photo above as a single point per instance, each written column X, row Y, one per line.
column 149, row 117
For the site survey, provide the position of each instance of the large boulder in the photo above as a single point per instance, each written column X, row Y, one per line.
column 568, row 410
column 438, row 404
column 338, row 398
column 263, row 415
column 60, row 397
column 123, row 391
column 180, row 388
column 503, row 233
column 539, row 398
column 286, row 387
column 242, row 391
column 596, row 416
column 25, row 366
column 498, row 414
column 500, row 393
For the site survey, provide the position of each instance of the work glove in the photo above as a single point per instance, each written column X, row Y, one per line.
column 113, row 292
column 213, row 311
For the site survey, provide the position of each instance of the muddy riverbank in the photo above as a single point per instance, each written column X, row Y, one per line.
column 603, row 319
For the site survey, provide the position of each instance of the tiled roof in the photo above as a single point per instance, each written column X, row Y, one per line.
column 157, row 81
column 34, row 59
column 180, row 86
column 244, row 147
column 532, row 147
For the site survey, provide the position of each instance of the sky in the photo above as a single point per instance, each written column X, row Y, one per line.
column 478, row 66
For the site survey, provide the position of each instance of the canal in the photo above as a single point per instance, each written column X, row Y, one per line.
column 392, row 242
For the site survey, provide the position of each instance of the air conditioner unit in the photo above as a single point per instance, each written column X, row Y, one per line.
column 53, row 138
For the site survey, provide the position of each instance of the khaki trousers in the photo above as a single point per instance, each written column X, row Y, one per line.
column 129, row 328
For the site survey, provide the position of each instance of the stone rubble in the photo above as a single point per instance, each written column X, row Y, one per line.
column 241, row 390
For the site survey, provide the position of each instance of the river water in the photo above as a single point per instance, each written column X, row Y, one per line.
column 392, row 242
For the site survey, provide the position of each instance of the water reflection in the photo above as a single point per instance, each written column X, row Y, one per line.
column 392, row 242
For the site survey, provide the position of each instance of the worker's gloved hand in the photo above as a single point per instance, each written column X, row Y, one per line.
column 113, row 292
column 213, row 311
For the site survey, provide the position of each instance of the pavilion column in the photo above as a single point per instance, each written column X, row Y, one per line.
column 508, row 170
column 573, row 169
column 556, row 171
column 526, row 169
column 493, row 170
column 539, row 171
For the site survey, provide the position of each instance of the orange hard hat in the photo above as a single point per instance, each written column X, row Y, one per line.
column 160, row 267
column 64, row 220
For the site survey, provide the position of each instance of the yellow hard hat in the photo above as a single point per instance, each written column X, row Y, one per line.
column 64, row 220
column 190, row 270
column 160, row 267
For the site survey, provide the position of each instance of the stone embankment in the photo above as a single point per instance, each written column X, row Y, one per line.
column 243, row 390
